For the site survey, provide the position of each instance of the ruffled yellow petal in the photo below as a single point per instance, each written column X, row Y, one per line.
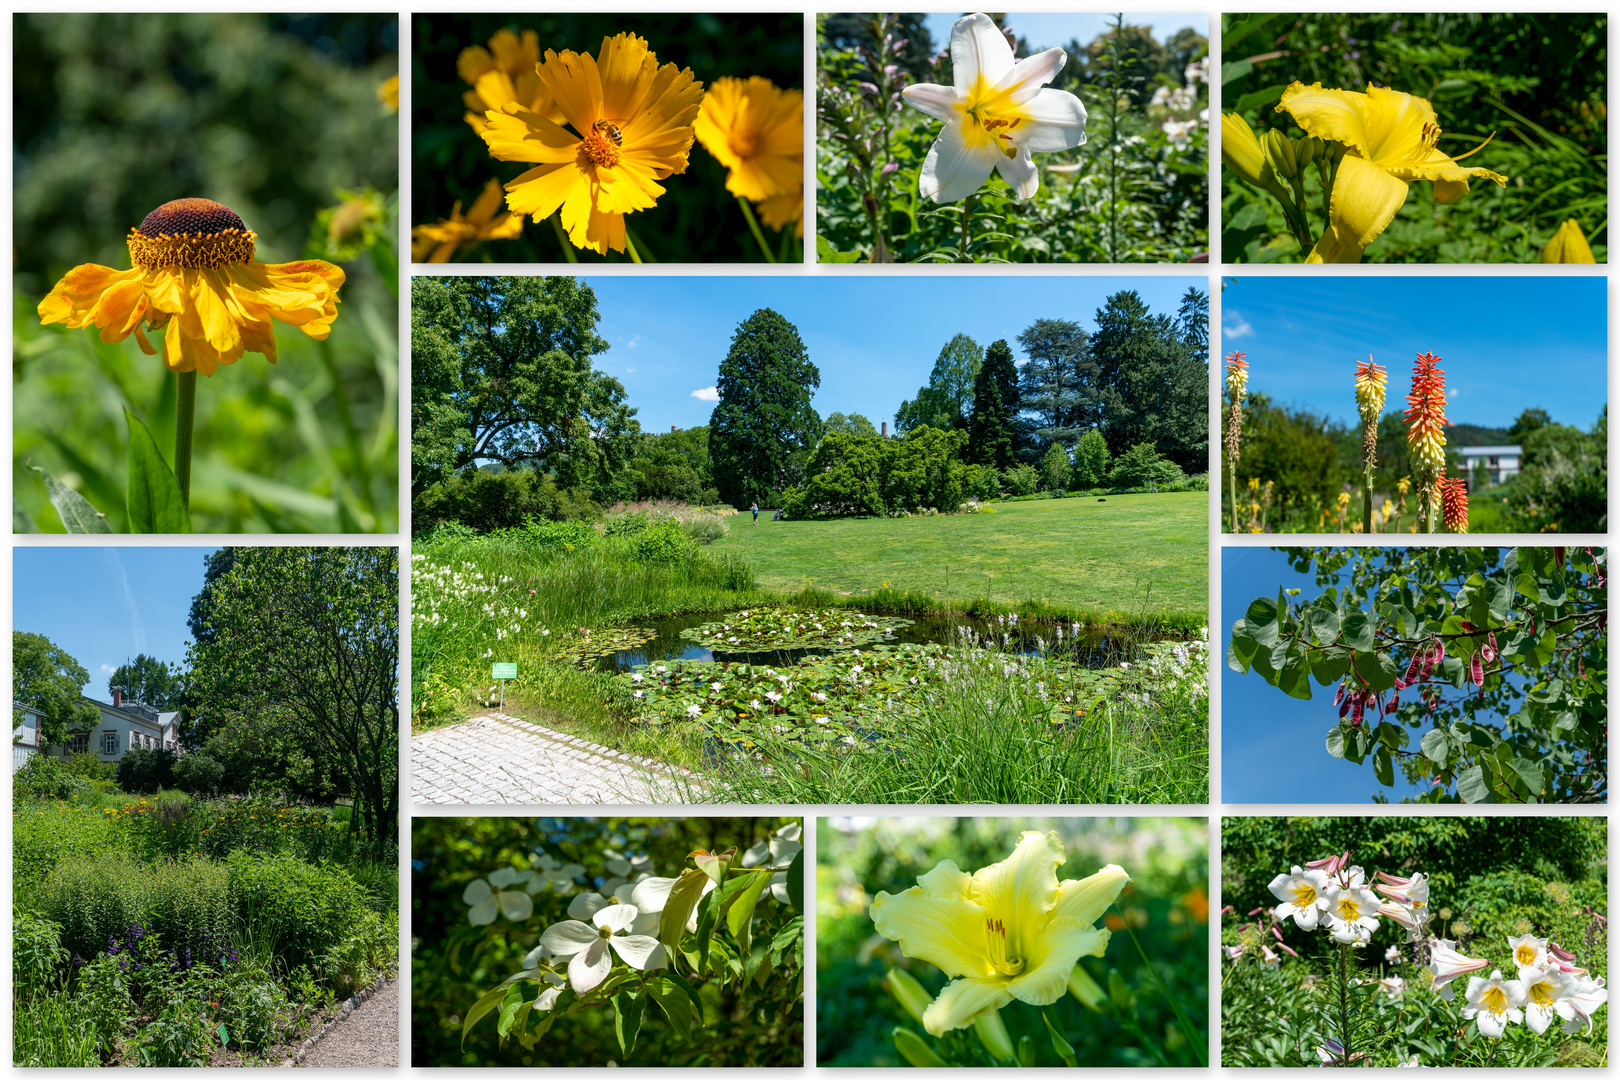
column 779, row 211
column 520, row 135
column 91, row 295
column 1020, row 890
column 1087, row 898
column 1340, row 115
column 303, row 294
column 1365, row 200
column 1398, row 126
column 542, row 190
column 1063, row 942
column 963, row 1002
column 947, row 930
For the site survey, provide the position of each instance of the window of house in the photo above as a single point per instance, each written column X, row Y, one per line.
column 78, row 744
column 109, row 742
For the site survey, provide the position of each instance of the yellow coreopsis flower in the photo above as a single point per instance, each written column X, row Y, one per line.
column 1568, row 245
column 501, row 73
column 1008, row 931
column 388, row 93
column 194, row 277
column 1391, row 138
column 436, row 243
column 632, row 127
column 756, row 130
column 780, row 211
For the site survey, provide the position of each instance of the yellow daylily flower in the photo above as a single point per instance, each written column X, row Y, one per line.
column 1568, row 245
column 1008, row 931
column 1391, row 139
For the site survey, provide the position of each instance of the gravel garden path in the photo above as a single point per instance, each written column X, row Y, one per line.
column 496, row 759
column 367, row 1038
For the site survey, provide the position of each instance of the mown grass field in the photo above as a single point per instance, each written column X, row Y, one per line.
column 1126, row 554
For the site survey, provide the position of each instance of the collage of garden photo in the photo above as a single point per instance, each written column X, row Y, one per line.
column 844, row 452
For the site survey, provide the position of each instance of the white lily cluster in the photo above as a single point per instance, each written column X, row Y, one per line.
column 1328, row 894
column 1550, row 986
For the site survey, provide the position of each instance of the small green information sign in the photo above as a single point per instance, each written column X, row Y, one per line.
column 503, row 671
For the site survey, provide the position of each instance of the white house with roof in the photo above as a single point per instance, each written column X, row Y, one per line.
column 1500, row 463
column 123, row 726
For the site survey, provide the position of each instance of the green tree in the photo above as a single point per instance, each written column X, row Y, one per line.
column 1482, row 673
column 310, row 636
column 1142, row 466
column 1528, row 421
column 1091, row 460
column 762, row 431
column 947, row 400
column 927, row 471
column 1155, row 388
column 853, row 424
column 1193, row 320
column 1056, row 471
column 674, row 465
column 501, row 372
column 1060, row 384
column 847, row 476
column 46, row 678
column 1563, row 483
column 992, row 429
column 150, row 681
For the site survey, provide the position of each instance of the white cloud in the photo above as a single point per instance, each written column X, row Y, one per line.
column 113, row 567
column 629, row 371
column 1236, row 327
column 633, row 342
column 708, row 393
column 108, row 668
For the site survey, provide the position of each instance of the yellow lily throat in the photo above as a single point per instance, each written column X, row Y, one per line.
column 996, row 935
column 1541, row 994
column 989, row 117
column 1304, row 895
column 1494, row 999
column 1525, row 956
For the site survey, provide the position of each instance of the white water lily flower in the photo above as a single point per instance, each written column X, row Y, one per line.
column 590, row 943
column 1543, row 990
column 1494, row 1003
column 1304, row 896
column 996, row 115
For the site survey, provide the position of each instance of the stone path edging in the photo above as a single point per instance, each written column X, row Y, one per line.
column 349, row 1006
column 500, row 759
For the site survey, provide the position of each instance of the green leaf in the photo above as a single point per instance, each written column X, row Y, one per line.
column 1530, row 773
column 1250, row 217
column 1235, row 69
column 1436, row 746
column 795, row 881
column 1261, row 619
column 715, row 865
column 627, row 1009
column 1392, row 735
column 1295, row 678
column 1324, row 625
column 683, row 898
column 509, row 1008
column 1359, row 632
column 1335, row 740
column 741, row 916
column 77, row 515
column 1330, row 665
column 1378, row 670
column 1553, row 591
column 1384, row 767
column 481, row 1008
column 1240, row 653
column 1259, row 99
column 1472, row 785
column 676, row 1005
column 154, row 501
column 1525, row 586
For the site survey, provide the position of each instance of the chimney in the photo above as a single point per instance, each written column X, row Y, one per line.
column 118, row 697
column 885, row 429
column 673, row 428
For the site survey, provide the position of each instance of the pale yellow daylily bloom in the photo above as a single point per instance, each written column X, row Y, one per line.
column 1391, row 139
column 1008, row 931
column 1568, row 245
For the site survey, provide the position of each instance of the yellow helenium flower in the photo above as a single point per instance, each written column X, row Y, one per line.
column 504, row 72
column 436, row 243
column 1008, row 931
column 1568, row 245
column 632, row 127
column 194, row 277
column 1391, row 137
column 388, row 93
column 756, row 130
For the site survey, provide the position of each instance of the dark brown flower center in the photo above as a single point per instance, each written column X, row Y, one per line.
column 191, row 233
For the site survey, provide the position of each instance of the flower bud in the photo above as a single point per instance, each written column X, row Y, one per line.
column 1243, row 153
column 909, row 993
column 1568, row 245
column 993, row 1034
column 1085, row 989
column 915, row 1050
column 1280, row 152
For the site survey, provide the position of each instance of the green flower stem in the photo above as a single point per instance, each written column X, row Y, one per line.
column 185, row 413
column 562, row 237
column 967, row 216
column 753, row 227
column 1344, row 1001
column 1231, row 475
column 630, row 246
column 1367, row 501
column 1199, row 1048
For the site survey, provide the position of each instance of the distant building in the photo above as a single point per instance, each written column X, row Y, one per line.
column 1500, row 463
column 123, row 726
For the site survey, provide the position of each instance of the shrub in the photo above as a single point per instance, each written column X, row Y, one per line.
column 1056, row 472
column 251, row 1006
column 180, row 1036
column 361, row 952
column 1090, row 460
column 189, row 906
column 982, row 482
column 44, row 777
column 1141, row 466
column 1022, row 480
column 103, row 985
column 486, row 501
column 199, row 774
column 94, row 898
column 46, row 832
column 90, row 768
column 664, row 542
column 142, row 772
column 705, row 528
column 305, row 908
column 36, row 954
column 558, row 535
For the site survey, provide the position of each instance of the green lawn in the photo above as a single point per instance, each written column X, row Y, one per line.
column 1126, row 554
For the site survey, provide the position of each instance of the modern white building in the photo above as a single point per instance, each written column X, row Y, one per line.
column 1501, row 463
column 123, row 726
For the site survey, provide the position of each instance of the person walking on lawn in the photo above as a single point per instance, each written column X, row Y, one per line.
column 755, row 509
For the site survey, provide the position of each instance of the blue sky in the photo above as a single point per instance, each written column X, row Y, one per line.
column 1508, row 343
column 1273, row 747
column 1046, row 29
column 104, row 605
column 875, row 340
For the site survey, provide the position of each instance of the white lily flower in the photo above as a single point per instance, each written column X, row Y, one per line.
column 1392, row 955
column 1529, row 951
column 1304, row 896
column 590, row 945
column 1543, row 990
column 1350, row 911
column 1578, row 1004
column 1393, row 985
column 996, row 115
column 1448, row 964
column 1494, row 1003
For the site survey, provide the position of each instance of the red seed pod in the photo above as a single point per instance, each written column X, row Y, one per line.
column 1476, row 671
column 1357, row 712
column 1338, row 699
column 1414, row 664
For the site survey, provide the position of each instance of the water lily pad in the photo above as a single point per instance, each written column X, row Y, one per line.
column 601, row 641
column 769, row 629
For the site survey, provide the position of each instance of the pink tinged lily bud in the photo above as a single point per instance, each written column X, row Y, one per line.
column 1322, row 864
column 870, row 88
column 1391, row 879
column 1227, row 908
column 889, row 168
column 1289, row 951
column 1256, row 911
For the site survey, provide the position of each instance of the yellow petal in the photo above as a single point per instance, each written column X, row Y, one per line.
column 92, row 295
column 962, row 1002
column 1332, row 247
column 1568, row 245
column 1365, row 200
column 543, row 189
column 1021, row 889
column 1396, row 124
column 520, row 135
column 1340, row 115
column 947, row 931
column 1062, row 943
column 1087, row 898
